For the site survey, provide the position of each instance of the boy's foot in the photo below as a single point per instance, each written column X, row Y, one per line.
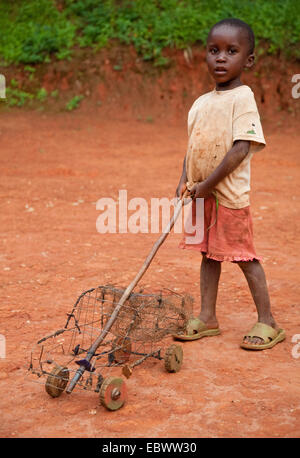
column 256, row 340
column 262, row 336
column 196, row 329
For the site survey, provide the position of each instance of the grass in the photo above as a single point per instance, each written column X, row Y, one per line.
column 33, row 31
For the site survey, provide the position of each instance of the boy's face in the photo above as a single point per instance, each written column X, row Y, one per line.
column 227, row 54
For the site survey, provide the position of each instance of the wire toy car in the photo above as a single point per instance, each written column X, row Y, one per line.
column 139, row 331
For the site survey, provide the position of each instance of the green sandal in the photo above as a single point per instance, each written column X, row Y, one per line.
column 196, row 329
column 269, row 335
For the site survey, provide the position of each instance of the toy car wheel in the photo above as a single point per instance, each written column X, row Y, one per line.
column 113, row 393
column 57, row 381
column 173, row 358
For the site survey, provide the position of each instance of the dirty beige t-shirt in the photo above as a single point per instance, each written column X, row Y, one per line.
column 215, row 121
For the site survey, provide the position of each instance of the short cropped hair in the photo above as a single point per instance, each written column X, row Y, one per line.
column 238, row 23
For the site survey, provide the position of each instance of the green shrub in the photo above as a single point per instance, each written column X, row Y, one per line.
column 74, row 102
column 41, row 94
column 17, row 97
column 54, row 93
column 154, row 25
column 93, row 19
column 32, row 30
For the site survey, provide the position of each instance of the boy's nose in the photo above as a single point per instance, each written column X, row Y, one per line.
column 221, row 58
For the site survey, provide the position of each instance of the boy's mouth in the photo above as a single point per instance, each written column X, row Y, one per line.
column 220, row 71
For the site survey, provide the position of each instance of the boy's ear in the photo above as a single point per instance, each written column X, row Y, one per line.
column 250, row 60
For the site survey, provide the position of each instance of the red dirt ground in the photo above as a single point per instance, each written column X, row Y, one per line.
column 54, row 167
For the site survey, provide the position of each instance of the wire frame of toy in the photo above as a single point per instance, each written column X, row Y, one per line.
column 137, row 333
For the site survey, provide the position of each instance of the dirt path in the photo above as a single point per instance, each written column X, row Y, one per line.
column 53, row 170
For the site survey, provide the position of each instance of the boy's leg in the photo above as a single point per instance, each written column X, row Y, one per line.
column 256, row 279
column 209, row 280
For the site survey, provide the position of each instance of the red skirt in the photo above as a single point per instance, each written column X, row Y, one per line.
column 228, row 233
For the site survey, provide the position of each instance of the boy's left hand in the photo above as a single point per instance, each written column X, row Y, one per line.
column 199, row 190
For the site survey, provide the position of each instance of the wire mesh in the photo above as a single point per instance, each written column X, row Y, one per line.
column 138, row 332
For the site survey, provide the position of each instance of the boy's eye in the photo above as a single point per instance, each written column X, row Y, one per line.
column 213, row 50
column 232, row 51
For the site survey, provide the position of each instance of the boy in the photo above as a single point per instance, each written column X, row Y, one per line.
column 224, row 131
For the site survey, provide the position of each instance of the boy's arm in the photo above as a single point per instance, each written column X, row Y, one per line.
column 182, row 182
column 231, row 161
